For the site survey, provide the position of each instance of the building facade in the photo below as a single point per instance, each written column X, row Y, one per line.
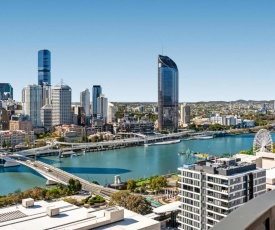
column 85, row 101
column 185, row 114
column 97, row 90
column 210, row 190
column 44, row 67
column 168, row 96
column 102, row 108
column 61, row 104
column 46, row 116
column 32, row 103
column 6, row 91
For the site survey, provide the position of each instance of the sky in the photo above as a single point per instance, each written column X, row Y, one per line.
column 224, row 50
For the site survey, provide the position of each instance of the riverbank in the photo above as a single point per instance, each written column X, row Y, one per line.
column 134, row 162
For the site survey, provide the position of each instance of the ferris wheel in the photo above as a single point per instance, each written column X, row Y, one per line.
column 262, row 142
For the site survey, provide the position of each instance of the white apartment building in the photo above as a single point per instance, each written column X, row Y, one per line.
column 61, row 104
column 210, row 190
column 111, row 112
column 227, row 120
column 32, row 103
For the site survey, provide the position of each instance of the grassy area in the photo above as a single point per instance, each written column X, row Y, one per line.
column 147, row 181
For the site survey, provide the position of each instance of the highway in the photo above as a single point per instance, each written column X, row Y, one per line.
column 57, row 175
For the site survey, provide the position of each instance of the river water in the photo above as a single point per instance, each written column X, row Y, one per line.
column 129, row 163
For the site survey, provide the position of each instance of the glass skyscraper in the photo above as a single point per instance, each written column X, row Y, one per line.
column 97, row 90
column 44, row 67
column 168, row 94
column 6, row 91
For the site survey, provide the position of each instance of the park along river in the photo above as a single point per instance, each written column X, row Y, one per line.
column 132, row 162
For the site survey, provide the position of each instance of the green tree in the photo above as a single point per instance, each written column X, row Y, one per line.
column 4, row 144
column 131, row 185
column 135, row 203
column 216, row 127
column 8, row 143
column 158, row 183
column 94, row 138
column 138, row 204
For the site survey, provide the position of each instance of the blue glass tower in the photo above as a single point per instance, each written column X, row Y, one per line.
column 168, row 94
column 44, row 67
column 97, row 90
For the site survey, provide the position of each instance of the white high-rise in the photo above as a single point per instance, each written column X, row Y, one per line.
column 85, row 101
column 32, row 103
column 111, row 112
column 61, row 104
column 185, row 114
column 210, row 190
column 102, row 107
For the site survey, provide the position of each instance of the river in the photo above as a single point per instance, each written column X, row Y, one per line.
column 133, row 162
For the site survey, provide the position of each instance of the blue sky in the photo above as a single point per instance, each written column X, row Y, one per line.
column 225, row 50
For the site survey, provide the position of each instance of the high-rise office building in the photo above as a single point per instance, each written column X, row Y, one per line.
column 32, row 103
column 85, row 101
column 210, row 190
column 185, row 114
column 44, row 67
column 102, row 108
column 6, row 91
column 46, row 116
column 61, row 104
column 46, row 94
column 168, row 94
column 97, row 90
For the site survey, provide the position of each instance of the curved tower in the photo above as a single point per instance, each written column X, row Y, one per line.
column 168, row 94
column 44, row 67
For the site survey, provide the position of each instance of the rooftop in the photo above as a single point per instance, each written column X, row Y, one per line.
column 222, row 166
column 72, row 217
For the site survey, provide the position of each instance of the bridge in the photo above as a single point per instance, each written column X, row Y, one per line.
column 53, row 174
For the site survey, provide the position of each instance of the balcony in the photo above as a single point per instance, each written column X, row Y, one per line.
column 255, row 214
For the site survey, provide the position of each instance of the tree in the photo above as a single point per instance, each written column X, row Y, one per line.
column 118, row 198
column 78, row 186
column 4, row 145
column 138, row 204
column 74, row 185
column 131, row 185
column 158, row 182
column 8, row 143
column 132, row 202
column 71, row 185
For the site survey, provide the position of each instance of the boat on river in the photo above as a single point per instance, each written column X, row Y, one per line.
column 163, row 143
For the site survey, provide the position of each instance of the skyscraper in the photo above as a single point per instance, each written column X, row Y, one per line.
column 97, row 90
column 44, row 67
column 32, row 103
column 6, row 91
column 61, row 104
column 85, row 101
column 102, row 108
column 185, row 114
column 168, row 94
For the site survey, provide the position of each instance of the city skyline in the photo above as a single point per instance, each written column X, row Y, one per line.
column 222, row 49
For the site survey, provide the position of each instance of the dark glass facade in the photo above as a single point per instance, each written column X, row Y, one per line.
column 44, row 67
column 97, row 90
column 168, row 94
column 6, row 91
